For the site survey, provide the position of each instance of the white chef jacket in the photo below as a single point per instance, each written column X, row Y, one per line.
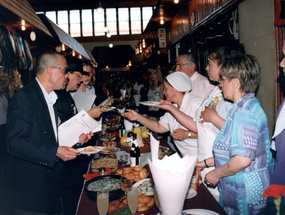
column 190, row 104
column 200, row 85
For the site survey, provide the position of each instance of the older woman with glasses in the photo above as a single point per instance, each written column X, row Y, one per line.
column 242, row 154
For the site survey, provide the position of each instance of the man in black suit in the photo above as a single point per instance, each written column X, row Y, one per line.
column 31, row 140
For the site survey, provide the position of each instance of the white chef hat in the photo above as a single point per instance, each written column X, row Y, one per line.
column 179, row 81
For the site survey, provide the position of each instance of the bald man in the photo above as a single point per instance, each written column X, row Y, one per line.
column 32, row 140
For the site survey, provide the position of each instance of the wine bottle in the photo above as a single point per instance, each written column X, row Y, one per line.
column 137, row 153
column 133, row 155
column 121, row 128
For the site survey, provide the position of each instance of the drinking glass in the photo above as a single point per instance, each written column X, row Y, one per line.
column 102, row 202
column 156, row 200
column 125, row 184
column 133, row 199
column 124, row 159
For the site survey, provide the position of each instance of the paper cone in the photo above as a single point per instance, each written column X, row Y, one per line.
column 123, row 93
column 172, row 176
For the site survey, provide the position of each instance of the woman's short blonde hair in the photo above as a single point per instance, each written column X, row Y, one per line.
column 244, row 67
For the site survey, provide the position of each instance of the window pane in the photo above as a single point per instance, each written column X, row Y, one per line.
column 123, row 21
column 136, row 20
column 99, row 24
column 51, row 15
column 87, row 23
column 147, row 14
column 111, row 21
column 75, row 23
column 63, row 20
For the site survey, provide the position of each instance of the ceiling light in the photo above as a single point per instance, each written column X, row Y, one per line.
column 105, row 29
column 176, row 1
column 140, row 48
column 99, row 9
column 33, row 36
column 143, row 43
column 130, row 63
column 73, row 53
column 80, row 56
column 111, row 45
column 108, row 35
column 161, row 21
column 23, row 25
column 58, row 48
column 63, row 47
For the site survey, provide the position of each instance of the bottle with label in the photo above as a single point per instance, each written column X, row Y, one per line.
column 121, row 128
column 135, row 152
column 133, row 155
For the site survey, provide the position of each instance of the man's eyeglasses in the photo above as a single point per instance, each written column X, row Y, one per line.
column 64, row 69
column 178, row 66
column 78, row 75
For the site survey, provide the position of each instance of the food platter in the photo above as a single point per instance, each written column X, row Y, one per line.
column 113, row 195
column 84, row 152
column 145, row 186
column 200, row 212
column 150, row 103
column 116, row 149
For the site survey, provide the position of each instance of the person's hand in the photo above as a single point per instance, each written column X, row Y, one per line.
column 208, row 114
column 96, row 111
column 166, row 105
column 131, row 115
column 84, row 138
column 66, row 153
column 211, row 178
column 180, row 134
column 200, row 165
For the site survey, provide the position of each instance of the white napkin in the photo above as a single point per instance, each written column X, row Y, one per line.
column 128, row 124
column 172, row 176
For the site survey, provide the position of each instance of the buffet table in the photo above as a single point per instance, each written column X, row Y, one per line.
column 203, row 199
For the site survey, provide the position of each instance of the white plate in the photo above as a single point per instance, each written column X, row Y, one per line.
column 82, row 150
column 200, row 212
column 107, row 139
column 110, row 108
column 150, row 103
column 149, row 193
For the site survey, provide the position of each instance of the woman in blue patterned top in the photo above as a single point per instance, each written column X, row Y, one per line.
column 242, row 148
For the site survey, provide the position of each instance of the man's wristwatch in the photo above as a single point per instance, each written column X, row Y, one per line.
column 189, row 134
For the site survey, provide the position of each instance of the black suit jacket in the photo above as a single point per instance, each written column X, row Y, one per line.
column 100, row 95
column 33, row 169
column 65, row 105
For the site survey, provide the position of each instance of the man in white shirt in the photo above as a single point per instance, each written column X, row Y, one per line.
column 33, row 168
column 188, row 63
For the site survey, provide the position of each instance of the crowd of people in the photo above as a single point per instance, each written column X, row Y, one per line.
column 217, row 118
